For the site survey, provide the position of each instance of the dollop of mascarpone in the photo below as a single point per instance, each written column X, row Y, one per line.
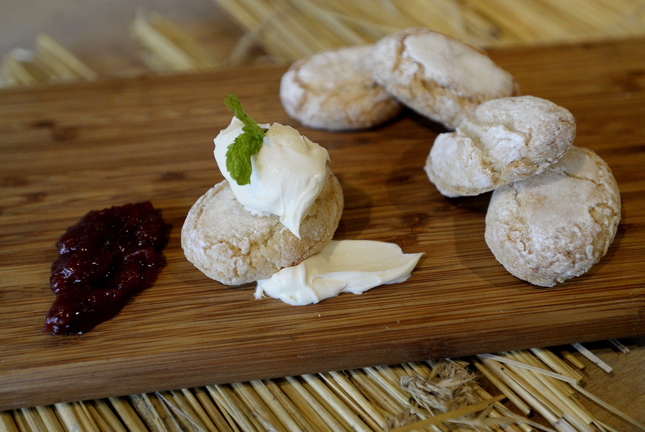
column 353, row 266
column 287, row 176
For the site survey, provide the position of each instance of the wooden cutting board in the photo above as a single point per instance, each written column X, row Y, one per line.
column 69, row 149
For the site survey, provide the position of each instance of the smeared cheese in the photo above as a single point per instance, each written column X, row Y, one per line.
column 353, row 266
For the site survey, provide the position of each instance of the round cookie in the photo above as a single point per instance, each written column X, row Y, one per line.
column 556, row 225
column 335, row 91
column 505, row 140
column 231, row 245
column 438, row 76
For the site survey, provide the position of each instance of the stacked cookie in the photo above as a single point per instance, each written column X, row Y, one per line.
column 234, row 246
column 555, row 207
column 243, row 230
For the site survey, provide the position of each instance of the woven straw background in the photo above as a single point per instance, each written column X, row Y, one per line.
column 245, row 32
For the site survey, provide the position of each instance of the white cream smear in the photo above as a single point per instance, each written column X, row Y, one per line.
column 287, row 176
column 352, row 266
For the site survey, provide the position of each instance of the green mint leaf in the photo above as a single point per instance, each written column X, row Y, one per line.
column 238, row 157
column 250, row 126
column 238, row 154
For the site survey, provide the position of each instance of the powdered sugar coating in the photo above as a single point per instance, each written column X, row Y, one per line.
column 556, row 225
column 505, row 140
column 448, row 63
column 438, row 76
column 232, row 246
column 335, row 90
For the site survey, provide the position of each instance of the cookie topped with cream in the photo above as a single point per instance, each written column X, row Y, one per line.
column 280, row 203
column 288, row 173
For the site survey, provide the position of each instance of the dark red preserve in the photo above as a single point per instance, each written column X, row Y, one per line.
column 104, row 259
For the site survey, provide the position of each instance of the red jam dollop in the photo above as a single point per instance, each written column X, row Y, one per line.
column 103, row 260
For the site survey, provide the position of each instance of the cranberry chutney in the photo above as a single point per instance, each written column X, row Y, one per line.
column 104, row 259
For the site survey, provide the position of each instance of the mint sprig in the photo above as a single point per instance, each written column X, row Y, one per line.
column 238, row 154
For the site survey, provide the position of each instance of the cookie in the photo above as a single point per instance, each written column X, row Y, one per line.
column 232, row 246
column 556, row 225
column 438, row 76
column 504, row 141
column 335, row 91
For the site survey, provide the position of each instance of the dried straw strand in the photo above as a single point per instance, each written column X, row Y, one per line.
column 356, row 399
column 183, row 412
column 326, row 415
column 21, row 423
column 371, row 390
column 373, row 395
column 63, row 64
column 168, row 48
column 517, row 385
column 221, row 406
column 7, row 423
column 501, row 386
column 526, row 424
column 346, row 35
column 32, row 418
column 608, row 407
column 279, row 405
column 310, row 413
column 496, row 412
column 387, row 380
column 560, row 390
column 126, row 413
column 194, row 405
column 49, row 62
column 74, row 416
column 93, row 421
column 592, row 357
column 154, row 413
column 533, row 368
column 49, row 418
column 261, row 412
column 211, row 410
column 553, row 400
column 231, row 405
column 109, row 421
column 349, row 416
column 572, row 359
column 470, row 409
column 622, row 348
column 555, row 363
column 19, row 68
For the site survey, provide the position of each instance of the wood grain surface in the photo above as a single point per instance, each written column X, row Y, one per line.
column 72, row 148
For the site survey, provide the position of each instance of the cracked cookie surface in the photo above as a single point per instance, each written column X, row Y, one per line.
column 505, row 140
column 556, row 225
column 438, row 76
column 232, row 246
column 335, row 90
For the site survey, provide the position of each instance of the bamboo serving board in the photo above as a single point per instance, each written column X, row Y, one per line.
column 69, row 149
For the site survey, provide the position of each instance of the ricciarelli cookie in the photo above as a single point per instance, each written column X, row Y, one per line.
column 505, row 140
column 335, row 91
column 438, row 76
column 233, row 246
column 556, row 225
